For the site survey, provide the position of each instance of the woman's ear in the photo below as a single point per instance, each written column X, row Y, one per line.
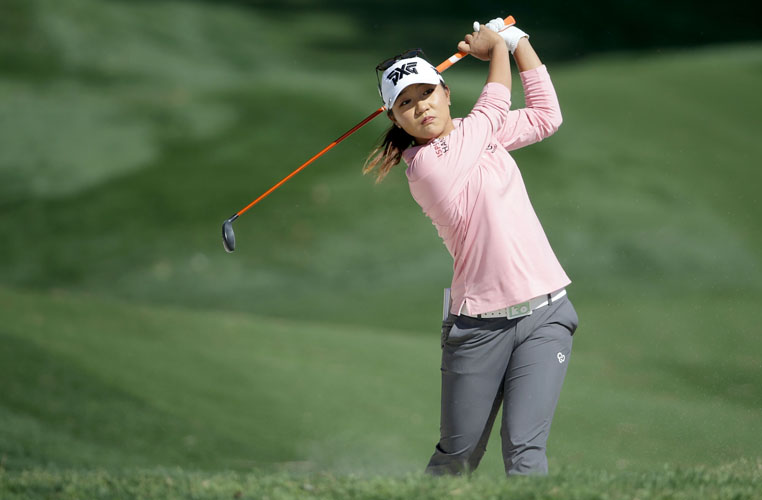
column 390, row 114
column 447, row 93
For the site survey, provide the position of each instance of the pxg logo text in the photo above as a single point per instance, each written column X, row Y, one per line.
column 404, row 69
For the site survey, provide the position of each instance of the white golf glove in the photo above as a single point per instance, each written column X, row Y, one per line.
column 511, row 34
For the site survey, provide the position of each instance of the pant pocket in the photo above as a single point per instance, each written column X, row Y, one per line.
column 467, row 331
column 446, row 327
column 567, row 316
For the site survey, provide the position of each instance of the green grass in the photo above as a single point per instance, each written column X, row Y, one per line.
column 97, row 382
column 118, row 385
column 137, row 358
column 738, row 480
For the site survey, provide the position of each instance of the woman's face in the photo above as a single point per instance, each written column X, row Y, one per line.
column 423, row 111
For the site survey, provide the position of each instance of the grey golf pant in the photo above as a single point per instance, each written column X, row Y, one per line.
column 519, row 363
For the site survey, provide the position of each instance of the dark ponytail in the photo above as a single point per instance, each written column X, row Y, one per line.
column 388, row 152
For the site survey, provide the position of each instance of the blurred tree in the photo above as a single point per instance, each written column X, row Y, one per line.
column 563, row 29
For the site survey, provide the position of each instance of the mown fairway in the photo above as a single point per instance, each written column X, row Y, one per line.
column 137, row 358
column 736, row 480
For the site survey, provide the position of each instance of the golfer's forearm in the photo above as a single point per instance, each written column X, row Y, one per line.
column 525, row 56
column 499, row 65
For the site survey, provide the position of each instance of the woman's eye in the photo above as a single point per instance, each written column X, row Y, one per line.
column 405, row 102
column 428, row 91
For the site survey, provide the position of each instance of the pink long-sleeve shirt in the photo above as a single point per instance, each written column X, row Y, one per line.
column 472, row 190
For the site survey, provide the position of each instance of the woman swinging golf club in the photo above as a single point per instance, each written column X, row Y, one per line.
column 508, row 335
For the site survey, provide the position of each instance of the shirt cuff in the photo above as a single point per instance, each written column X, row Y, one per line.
column 534, row 75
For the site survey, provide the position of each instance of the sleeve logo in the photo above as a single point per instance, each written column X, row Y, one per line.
column 440, row 146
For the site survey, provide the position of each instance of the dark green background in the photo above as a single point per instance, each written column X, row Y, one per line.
column 564, row 30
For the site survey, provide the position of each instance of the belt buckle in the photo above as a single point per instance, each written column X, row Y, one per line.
column 519, row 310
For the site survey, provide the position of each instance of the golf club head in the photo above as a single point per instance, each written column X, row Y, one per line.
column 228, row 236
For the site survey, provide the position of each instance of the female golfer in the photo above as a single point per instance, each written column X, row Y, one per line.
column 508, row 336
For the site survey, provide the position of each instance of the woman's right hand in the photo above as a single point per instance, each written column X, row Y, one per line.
column 511, row 34
column 481, row 44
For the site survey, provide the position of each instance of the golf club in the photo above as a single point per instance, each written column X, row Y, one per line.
column 228, row 236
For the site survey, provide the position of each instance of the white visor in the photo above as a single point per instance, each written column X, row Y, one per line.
column 404, row 73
